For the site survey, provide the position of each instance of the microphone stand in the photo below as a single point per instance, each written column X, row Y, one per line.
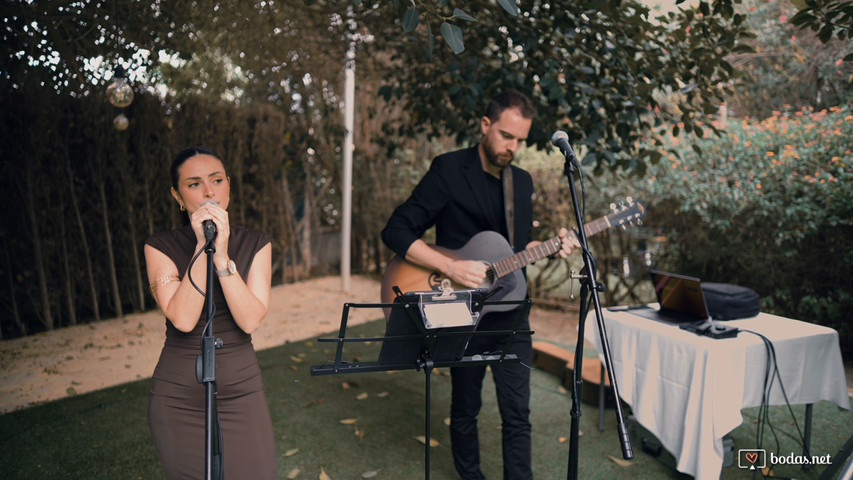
column 206, row 374
column 589, row 285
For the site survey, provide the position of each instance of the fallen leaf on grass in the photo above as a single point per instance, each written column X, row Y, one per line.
column 293, row 473
column 324, row 475
column 422, row 439
column 316, row 401
column 382, row 395
column 359, row 433
column 369, row 474
column 361, row 396
column 291, row 452
column 619, row 461
column 296, row 359
column 348, row 421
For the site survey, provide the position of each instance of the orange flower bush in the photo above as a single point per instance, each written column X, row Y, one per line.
column 769, row 204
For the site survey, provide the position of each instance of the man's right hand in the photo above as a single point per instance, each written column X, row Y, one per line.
column 469, row 273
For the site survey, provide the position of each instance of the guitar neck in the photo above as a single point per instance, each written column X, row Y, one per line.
column 547, row 248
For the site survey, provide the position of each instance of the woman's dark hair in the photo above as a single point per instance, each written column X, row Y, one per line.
column 185, row 155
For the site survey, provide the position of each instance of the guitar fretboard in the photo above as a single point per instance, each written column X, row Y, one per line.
column 549, row 247
column 526, row 257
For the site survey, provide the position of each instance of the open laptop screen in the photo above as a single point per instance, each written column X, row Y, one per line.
column 679, row 294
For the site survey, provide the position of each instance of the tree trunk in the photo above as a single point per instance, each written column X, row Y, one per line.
column 110, row 254
column 305, row 228
column 46, row 315
column 16, row 314
column 293, row 234
column 84, row 243
column 377, row 254
column 69, row 282
column 137, row 266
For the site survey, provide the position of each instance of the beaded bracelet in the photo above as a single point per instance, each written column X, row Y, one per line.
column 162, row 281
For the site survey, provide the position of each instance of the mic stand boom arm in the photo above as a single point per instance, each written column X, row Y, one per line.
column 589, row 284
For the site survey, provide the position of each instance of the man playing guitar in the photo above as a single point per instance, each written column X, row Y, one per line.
column 464, row 193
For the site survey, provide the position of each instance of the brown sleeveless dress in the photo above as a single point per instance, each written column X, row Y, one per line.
column 176, row 407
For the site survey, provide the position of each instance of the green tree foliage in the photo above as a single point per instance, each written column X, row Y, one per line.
column 790, row 67
column 828, row 18
column 598, row 69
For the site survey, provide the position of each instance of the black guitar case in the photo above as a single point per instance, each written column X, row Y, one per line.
column 728, row 302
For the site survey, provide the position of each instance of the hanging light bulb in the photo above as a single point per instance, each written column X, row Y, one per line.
column 121, row 122
column 119, row 92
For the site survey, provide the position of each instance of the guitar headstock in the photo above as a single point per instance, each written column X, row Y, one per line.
column 627, row 212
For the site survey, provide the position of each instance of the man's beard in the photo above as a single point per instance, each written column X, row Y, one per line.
column 495, row 159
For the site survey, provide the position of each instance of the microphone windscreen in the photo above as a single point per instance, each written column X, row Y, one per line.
column 558, row 136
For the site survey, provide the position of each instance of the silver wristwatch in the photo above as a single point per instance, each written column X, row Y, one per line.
column 230, row 270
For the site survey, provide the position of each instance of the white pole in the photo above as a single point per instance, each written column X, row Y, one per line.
column 346, row 193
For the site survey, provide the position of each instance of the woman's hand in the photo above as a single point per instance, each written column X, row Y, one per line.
column 219, row 216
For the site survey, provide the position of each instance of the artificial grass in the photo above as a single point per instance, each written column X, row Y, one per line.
column 104, row 434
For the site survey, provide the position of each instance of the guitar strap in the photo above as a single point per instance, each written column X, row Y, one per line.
column 509, row 205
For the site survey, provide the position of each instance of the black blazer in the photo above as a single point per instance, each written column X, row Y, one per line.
column 451, row 197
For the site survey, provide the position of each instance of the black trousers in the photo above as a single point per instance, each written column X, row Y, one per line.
column 512, row 387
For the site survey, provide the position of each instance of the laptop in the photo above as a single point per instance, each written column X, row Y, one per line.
column 680, row 298
column 682, row 303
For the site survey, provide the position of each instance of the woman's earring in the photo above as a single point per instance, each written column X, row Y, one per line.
column 182, row 207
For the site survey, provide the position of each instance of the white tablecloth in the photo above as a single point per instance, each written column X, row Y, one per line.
column 689, row 390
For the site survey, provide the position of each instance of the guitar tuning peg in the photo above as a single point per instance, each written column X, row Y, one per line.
column 613, row 207
column 630, row 200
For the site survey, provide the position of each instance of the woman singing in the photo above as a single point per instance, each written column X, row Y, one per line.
column 241, row 293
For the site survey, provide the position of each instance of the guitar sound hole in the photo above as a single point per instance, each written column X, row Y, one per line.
column 435, row 281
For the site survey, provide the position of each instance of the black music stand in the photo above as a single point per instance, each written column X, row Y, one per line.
column 426, row 330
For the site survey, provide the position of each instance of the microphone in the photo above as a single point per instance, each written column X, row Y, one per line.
column 560, row 139
column 208, row 225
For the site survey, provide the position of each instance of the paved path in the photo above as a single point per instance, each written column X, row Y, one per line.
column 89, row 357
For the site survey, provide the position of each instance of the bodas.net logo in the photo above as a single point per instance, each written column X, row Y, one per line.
column 752, row 458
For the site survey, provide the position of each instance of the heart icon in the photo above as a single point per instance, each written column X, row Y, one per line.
column 751, row 457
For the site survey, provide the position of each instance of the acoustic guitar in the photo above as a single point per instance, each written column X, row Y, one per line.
column 505, row 266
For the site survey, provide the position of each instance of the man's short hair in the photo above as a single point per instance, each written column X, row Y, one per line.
column 509, row 99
